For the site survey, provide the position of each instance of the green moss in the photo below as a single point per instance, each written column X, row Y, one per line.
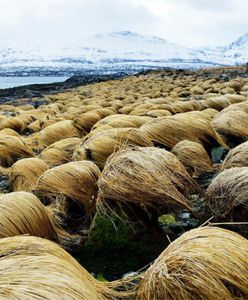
column 114, row 248
column 166, row 219
column 100, row 277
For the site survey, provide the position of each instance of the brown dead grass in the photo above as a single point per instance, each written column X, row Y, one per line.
column 148, row 178
column 193, row 156
column 23, row 174
column 101, row 145
column 227, row 197
column 205, row 264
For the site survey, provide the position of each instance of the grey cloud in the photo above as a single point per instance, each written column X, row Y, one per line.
column 188, row 22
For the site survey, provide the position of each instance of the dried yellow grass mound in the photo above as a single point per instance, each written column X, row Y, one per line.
column 236, row 157
column 23, row 213
column 185, row 106
column 192, row 126
column 23, row 174
column 102, row 144
column 87, row 120
column 12, row 123
column 72, row 185
column 33, row 127
column 35, row 268
column 60, row 152
column 122, row 121
column 13, row 148
column 227, row 195
column 156, row 113
column 8, row 131
column 232, row 124
column 193, row 156
column 203, row 264
column 147, row 178
column 58, row 131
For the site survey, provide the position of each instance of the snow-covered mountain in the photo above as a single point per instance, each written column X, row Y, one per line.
column 116, row 51
column 234, row 54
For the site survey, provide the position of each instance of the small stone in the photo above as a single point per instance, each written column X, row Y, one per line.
column 218, row 154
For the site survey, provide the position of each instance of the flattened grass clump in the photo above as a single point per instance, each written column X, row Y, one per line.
column 12, row 123
column 87, row 120
column 58, row 131
column 60, row 152
column 193, row 156
column 23, row 174
column 118, row 121
column 192, row 126
column 23, row 213
column 35, row 268
column 227, row 195
column 13, row 148
column 146, row 178
column 236, row 157
column 232, row 125
column 8, row 132
column 205, row 264
column 72, row 188
column 102, row 144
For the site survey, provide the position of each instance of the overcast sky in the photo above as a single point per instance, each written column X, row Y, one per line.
column 187, row 22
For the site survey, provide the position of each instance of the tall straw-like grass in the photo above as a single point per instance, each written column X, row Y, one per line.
column 23, row 213
column 71, row 187
column 23, row 174
column 148, row 178
column 193, row 156
column 60, row 152
column 203, row 264
column 102, row 144
column 236, row 157
column 58, row 131
column 227, row 194
column 232, row 126
column 35, row 268
column 13, row 148
column 192, row 126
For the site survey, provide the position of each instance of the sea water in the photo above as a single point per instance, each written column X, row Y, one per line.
column 9, row 82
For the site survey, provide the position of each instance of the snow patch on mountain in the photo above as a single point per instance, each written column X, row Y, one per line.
column 119, row 50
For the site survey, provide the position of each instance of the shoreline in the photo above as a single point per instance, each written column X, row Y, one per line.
column 10, row 95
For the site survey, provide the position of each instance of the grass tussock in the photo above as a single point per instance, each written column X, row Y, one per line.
column 72, row 186
column 205, row 264
column 102, row 144
column 193, row 156
column 13, row 148
column 23, row 213
column 58, row 131
column 35, row 268
column 227, row 195
column 23, row 174
column 12, row 123
column 116, row 121
column 8, row 132
column 60, row 152
column 236, row 157
column 232, row 126
column 87, row 120
column 192, row 126
column 148, row 178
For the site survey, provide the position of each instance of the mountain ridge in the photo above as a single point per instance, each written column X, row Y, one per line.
column 120, row 50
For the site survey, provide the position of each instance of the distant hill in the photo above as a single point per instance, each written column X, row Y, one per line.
column 122, row 51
